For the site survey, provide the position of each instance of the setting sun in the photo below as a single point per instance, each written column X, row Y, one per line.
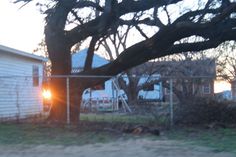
column 47, row 94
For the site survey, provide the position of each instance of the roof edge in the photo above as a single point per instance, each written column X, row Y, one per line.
column 22, row 53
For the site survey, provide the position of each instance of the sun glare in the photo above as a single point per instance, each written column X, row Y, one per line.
column 221, row 86
column 47, row 94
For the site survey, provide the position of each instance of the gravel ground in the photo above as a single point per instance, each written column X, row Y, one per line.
column 131, row 148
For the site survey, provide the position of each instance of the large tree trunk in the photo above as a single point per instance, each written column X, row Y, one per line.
column 60, row 71
column 76, row 91
column 59, row 53
column 60, row 57
column 132, row 95
column 60, row 67
column 58, row 111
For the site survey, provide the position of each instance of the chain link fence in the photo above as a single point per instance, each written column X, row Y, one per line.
column 154, row 98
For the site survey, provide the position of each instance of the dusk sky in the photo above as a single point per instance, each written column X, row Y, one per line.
column 21, row 28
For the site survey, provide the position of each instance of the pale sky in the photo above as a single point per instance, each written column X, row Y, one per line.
column 20, row 28
column 220, row 86
column 23, row 29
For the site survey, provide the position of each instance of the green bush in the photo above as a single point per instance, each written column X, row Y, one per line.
column 203, row 111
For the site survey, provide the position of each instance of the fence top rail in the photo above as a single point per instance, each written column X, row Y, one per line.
column 58, row 76
column 106, row 76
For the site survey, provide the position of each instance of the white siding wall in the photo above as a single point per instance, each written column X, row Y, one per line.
column 18, row 97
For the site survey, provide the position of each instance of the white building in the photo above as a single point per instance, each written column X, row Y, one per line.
column 20, row 83
column 153, row 92
column 103, row 91
column 109, row 92
column 101, row 96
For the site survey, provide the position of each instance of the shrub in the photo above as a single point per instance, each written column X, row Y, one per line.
column 202, row 111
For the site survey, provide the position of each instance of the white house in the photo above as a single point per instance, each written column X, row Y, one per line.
column 101, row 95
column 103, row 91
column 110, row 90
column 107, row 90
column 20, row 83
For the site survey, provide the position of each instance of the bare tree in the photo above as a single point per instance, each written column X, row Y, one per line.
column 114, row 45
column 189, row 71
column 67, row 23
column 41, row 50
column 226, row 64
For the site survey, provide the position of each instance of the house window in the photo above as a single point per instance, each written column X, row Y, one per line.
column 35, row 76
column 206, row 89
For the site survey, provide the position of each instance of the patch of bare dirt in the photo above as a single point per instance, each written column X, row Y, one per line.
column 131, row 148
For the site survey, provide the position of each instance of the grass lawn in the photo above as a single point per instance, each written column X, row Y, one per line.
column 218, row 139
column 134, row 119
column 44, row 134
column 90, row 132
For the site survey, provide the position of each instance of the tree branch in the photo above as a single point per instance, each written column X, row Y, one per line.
column 82, row 4
column 162, row 44
column 90, row 53
column 91, row 28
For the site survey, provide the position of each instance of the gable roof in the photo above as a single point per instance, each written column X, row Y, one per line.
column 5, row 49
column 190, row 68
column 78, row 59
column 185, row 68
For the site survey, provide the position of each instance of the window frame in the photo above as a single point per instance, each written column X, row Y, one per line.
column 35, row 76
column 206, row 88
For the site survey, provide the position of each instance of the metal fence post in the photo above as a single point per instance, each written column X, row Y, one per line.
column 161, row 93
column 171, row 104
column 68, row 99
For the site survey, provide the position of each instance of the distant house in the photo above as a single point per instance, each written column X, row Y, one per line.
column 109, row 90
column 197, row 75
column 21, row 83
column 101, row 97
column 101, row 91
column 190, row 77
column 78, row 60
